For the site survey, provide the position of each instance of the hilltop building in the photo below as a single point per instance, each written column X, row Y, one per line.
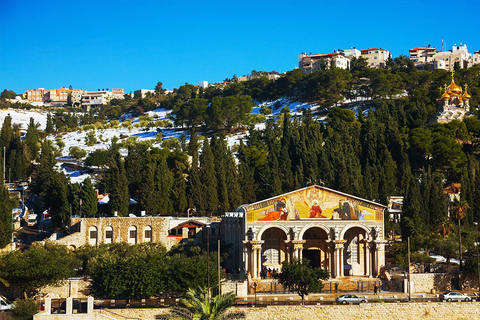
column 142, row 93
column 376, row 57
column 335, row 231
column 453, row 105
column 444, row 59
column 322, row 61
column 53, row 95
column 422, row 55
column 95, row 99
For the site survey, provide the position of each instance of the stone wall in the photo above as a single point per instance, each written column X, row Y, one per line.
column 426, row 282
column 80, row 230
column 403, row 311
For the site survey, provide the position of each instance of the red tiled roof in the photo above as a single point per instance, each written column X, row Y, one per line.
column 373, row 49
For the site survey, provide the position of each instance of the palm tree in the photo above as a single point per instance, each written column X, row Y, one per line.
column 199, row 305
column 459, row 208
column 2, row 280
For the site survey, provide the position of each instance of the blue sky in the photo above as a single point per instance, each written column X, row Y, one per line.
column 133, row 44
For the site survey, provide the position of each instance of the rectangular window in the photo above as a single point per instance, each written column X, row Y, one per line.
column 93, row 234
column 109, row 234
column 133, row 234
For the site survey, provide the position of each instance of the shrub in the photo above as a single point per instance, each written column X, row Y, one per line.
column 24, row 309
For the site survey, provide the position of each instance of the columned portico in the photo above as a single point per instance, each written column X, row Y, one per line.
column 297, row 248
column 340, row 233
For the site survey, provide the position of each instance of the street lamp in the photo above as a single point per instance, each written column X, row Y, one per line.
column 478, row 260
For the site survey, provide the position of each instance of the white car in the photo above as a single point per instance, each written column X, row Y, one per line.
column 350, row 298
column 454, row 296
column 5, row 304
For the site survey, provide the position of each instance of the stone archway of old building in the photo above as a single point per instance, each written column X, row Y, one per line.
column 356, row 253
column 315, row 248
column 273, row 249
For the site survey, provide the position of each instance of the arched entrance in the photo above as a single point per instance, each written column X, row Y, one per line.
column 273, row 248
column 315, row 248
column 356, row 253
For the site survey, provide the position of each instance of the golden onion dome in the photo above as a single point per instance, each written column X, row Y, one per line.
column 445, row 96
column 466, row 96
column 453, row 88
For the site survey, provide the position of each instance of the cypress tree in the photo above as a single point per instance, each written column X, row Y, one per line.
column 195, row 186
column 219, row 150
column 49, row 127
column 32, row 140
column 117, row 186
column 234, row 190
column 208, row 177
column 411, row 223
column 150, row 200
column 164, row 182
column 5, row 216
column 88, row 195
column 179, row 188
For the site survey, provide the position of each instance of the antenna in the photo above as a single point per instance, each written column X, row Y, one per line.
column 442, row 45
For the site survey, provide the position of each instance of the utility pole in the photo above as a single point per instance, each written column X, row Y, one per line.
column 218, row 271
column 478, row 261
column 208, row 258
column 409, row 285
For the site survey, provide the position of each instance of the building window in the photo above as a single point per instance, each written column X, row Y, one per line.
column 132, row 235
column 92, row 236
column 109, row 235
column 272, row 245
column 148, row 234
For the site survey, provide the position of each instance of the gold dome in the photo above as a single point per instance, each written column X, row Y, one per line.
column 453, row 88
column 466, row 96
column 445, row 96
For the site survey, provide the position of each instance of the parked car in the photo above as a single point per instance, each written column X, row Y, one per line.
column 454, row 296
column 5, row 304
column 350, row 298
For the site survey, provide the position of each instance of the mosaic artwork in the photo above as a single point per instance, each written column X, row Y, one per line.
column 314, row 203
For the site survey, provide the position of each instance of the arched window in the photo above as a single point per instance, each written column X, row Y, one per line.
column 148, row 234
column 132, row 235
column 272, row 246
column 92, row 236
column 109, row 234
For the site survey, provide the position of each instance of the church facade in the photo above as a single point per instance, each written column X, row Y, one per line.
column 453, row 105
column 338, row 232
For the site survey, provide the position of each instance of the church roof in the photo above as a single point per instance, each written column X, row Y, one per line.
column 319, row 187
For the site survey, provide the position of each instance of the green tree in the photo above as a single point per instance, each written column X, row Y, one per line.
column 116, row 184
column 77, row 152
column 6, row 207
column 298, row 277
column 32, row 140
column 49, row 126
column 208, row 177
column 38, row 266
column 89, row 206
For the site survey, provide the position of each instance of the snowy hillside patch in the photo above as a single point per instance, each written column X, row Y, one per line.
column 22, row 117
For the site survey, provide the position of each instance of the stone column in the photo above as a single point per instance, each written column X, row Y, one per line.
column 245, row 255
column 48, row 306
column 298, row 247
column 368, row 272
column 338, row 257
column 287, row 251
column 90, row 304
column 69, row 306
column 379, row 255
column 257, row 261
